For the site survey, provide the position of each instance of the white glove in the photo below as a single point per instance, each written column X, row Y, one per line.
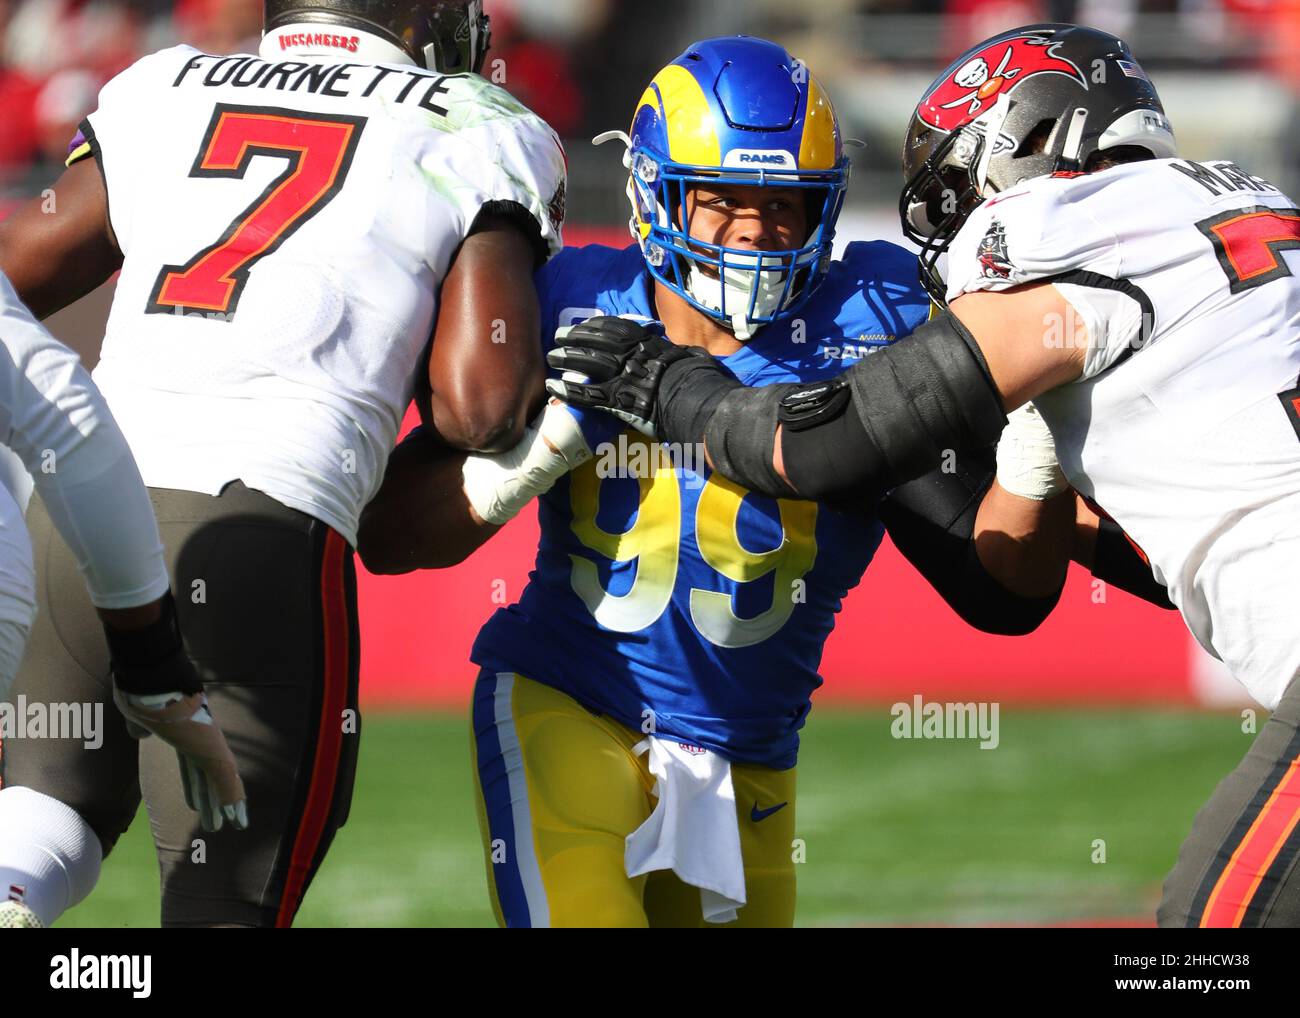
column 209, row 775
column 499, row 486
column 1027, row 463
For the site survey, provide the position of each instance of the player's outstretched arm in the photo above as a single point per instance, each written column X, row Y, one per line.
column 57, row 248
column 437, row 505
column 485, row 365
column 56, row 421
column 887, row 420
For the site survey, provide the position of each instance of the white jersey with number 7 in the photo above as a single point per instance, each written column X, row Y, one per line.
column 286, row 224
column 1185, row 426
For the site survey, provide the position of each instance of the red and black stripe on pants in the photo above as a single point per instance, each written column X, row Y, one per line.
column 1238, row 867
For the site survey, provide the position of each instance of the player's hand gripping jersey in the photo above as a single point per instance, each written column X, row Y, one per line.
column 677, row 597
column 1198, row 408
column 286, row 227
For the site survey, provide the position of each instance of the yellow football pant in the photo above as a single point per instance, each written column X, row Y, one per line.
column 559, row 789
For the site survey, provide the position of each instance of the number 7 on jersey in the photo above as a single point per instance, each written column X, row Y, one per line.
column 318, row 148
column 1248, row 243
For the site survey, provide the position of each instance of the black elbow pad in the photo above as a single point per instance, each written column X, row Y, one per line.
column 891, row 417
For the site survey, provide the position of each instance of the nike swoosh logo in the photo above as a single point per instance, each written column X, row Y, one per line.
column 757, row 814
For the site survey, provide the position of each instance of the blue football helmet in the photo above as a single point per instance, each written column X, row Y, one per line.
column 734, row 111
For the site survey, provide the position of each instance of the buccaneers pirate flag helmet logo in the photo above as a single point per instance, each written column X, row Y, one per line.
column 1026, row 103
column 973, row 87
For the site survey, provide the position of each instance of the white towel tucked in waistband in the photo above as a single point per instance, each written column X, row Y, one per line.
column 693, row 830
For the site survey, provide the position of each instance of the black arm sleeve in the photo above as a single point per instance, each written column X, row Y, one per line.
column 1118, row 562
column 932, row 521
column 887, row 420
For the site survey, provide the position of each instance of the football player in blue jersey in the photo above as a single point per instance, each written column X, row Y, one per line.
column 636, row 719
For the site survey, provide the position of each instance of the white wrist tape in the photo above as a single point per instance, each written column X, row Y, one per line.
column 1027, row 463
column 499, row 486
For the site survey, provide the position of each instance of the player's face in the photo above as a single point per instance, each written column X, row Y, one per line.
column 749, row 218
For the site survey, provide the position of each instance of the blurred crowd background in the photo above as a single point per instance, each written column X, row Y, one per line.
column 1228, row 70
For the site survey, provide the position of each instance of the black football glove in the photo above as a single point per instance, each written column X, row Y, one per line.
column 620, row 364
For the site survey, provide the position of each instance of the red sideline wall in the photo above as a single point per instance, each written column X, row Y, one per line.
column 895, row 637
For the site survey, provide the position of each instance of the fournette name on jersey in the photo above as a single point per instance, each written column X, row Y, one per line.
column 340, row 81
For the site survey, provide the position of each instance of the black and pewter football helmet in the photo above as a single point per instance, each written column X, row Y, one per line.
column 1029, row 102
column 450, row 36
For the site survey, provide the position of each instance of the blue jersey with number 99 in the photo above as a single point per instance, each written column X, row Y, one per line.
column 666, row 596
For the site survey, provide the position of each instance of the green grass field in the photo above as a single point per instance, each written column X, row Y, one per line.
column 895, row 831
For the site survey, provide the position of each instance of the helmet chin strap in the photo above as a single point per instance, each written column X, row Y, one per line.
column 709, row 291
column 1073, row 140
column 605, row 136
column 743, row 328
column 738, row 286
column 992, row 122
column 622, row 136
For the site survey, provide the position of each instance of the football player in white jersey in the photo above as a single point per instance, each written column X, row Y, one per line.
column 60, row 436
column 1148, row 306
column 306, row 237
